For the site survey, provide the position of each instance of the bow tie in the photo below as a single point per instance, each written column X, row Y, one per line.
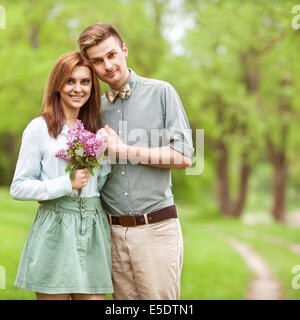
column 124, row 92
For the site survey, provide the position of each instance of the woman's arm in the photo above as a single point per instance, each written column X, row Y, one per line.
column 26, row 184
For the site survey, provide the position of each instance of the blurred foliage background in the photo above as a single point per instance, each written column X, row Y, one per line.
column 234, row 64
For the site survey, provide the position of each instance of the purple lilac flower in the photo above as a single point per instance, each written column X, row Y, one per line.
column 62, row 153
column 92, row 144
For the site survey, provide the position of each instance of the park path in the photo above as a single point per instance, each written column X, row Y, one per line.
column 264, row 286
column 293, row 247
column 293, row 220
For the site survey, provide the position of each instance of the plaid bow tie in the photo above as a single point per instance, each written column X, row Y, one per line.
column 124, row 92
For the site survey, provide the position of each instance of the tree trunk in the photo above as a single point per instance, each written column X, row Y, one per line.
column 280, row 176
column 278, row 159
column 228, row 206
column 8, row 159
column 222, row 175
column 238, row 205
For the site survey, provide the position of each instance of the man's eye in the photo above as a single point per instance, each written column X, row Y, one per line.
column 112, row 54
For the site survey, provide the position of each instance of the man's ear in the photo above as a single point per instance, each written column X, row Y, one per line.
column 125, row 50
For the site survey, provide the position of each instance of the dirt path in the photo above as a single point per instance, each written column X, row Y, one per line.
column 264, row 286
column 293, row 247
column 293, row 220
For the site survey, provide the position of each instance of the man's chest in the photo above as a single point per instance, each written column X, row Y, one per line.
column 145, row 113
column 138, row 122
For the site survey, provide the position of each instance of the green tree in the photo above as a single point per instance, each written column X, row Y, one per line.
column 39, row 31
column 237, row 94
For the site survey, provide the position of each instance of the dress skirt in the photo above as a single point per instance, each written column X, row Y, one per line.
column 67, row 249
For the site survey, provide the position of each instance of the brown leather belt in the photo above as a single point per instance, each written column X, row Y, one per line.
column 140, row 219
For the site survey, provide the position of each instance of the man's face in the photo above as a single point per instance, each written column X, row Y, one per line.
column 109, row 62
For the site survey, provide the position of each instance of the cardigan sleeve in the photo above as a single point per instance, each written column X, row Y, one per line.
column 26, row 184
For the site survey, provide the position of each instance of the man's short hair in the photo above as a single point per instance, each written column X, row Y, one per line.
column 96, row 33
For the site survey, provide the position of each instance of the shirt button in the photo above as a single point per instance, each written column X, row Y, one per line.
column 118, row 110
column 123, row 172
column 125, row 194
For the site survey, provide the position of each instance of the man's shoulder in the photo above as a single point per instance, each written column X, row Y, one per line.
column 153, row 82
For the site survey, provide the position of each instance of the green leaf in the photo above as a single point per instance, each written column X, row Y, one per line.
column 80, row 161
column 72, row 174
column 80, row 152
column 70, row 152
column 91, row 171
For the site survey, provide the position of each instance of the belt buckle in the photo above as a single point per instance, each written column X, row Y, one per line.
column 127, row 221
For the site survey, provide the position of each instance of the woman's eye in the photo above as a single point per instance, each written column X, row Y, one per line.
column 70, row 81
column 86, row 81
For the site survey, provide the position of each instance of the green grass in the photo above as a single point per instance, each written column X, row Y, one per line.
column 211, row 270
column 278, row 257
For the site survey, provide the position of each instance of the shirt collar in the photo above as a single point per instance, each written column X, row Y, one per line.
column 132, row 79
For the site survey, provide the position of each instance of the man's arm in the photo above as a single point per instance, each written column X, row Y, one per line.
column 161, row 157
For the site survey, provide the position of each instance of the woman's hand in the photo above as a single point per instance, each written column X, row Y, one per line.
column 115, row 146
column 81, row 178
column 102, row 133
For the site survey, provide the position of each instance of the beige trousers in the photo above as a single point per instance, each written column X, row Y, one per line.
column 147, row 261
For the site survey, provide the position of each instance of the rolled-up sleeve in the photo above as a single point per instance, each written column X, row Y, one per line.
column 26, row 184
column 177, row 126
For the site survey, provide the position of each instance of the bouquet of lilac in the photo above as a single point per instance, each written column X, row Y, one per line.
column 83, row 149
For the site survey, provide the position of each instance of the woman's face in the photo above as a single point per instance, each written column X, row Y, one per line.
column 77, row 89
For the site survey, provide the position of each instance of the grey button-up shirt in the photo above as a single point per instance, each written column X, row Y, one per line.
column 152, row 116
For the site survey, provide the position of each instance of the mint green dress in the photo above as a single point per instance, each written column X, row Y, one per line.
column 68, row 247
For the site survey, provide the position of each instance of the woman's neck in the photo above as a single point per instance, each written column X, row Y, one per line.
column 70, row 117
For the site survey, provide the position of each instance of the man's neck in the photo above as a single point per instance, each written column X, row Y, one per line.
column 126, row 77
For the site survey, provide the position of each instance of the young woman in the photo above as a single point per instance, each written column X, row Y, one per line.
column 67, row 253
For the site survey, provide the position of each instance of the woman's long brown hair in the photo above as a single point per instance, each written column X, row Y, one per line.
column 52, row 110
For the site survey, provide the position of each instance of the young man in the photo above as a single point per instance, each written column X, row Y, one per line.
column 147, row 125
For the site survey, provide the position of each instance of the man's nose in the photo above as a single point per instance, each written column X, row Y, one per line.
column 107, row 64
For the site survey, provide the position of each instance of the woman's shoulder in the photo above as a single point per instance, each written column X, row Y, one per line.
column 38, row 123
column 36, row 126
